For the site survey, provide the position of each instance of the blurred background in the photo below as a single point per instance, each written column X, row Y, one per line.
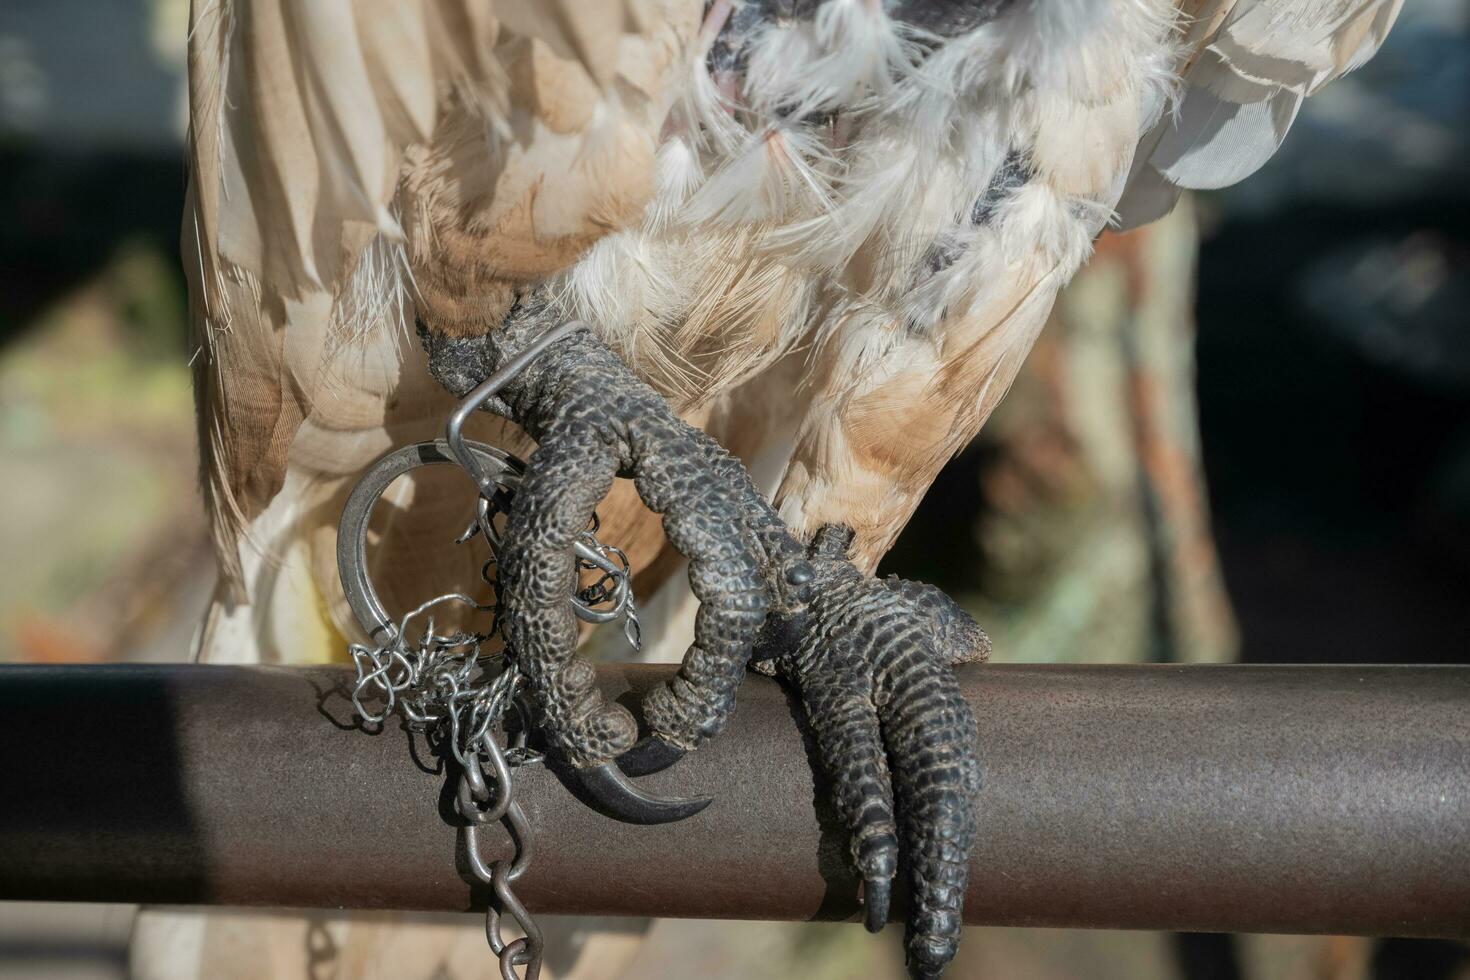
column 1246, row 435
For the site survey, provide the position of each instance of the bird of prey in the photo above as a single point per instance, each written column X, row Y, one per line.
column 811, row 242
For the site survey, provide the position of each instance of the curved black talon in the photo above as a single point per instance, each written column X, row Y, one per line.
column 877, row 894
column 877, row 859
column 609, row 792
column 649, row 756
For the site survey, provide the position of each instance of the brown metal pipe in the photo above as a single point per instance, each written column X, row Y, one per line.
column 1283, row 799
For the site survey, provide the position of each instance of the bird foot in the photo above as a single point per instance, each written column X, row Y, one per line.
column 872, row 662
column 593, row 419
column 869, row 658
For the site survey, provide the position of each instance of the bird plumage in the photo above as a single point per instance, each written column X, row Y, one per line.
column 827, row 232
column 840, row 210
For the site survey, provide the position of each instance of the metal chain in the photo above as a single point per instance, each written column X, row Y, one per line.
column 440, row 683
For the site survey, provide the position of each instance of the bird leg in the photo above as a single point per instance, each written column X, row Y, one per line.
column 869, row 658
column 594, row 419
column 872, row 661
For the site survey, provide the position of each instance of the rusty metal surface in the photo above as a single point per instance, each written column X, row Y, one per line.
column 1314, row 799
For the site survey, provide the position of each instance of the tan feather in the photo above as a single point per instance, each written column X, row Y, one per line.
column 329, row 149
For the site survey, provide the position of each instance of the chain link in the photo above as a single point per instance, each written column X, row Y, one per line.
column 441, row 684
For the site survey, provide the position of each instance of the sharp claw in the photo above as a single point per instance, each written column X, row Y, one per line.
column 877, row 856
column 876, row 893
column 649, row 756
column 609, row 792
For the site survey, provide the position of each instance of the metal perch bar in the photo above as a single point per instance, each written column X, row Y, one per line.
column 1271, row 799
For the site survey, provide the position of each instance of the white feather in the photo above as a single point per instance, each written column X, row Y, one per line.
column 783, row 172
column 677, row 172
column 1249, row 75
column 848, row 52
column 1217, row 142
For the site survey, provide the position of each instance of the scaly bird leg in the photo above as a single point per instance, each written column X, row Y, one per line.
column 592, row 419
column 870, row 658
column 872, row 661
